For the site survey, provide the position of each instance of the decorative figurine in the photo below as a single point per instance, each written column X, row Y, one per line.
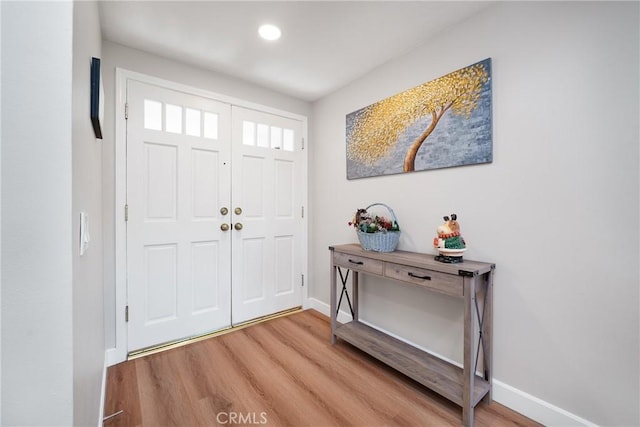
column 449, row 243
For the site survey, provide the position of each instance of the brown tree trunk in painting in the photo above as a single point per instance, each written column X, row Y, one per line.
column 410, row 157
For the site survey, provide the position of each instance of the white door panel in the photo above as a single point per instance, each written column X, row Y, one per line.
column 189, row 156
column 267, row 177
column 178, row 178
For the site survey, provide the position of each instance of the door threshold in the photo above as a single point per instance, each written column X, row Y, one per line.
column 182, row 342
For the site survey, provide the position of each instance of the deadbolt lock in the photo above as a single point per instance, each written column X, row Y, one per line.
column 238, row 226
column 224, row 211
column 224, row 227
column 238, row 211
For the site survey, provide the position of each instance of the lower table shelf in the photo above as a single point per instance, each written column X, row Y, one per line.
column 437, row 374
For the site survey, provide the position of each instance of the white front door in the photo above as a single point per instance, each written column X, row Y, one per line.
column 178, row 180
column 268, row 183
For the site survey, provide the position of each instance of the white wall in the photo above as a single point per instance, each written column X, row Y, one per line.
column 557, row 210
column 0, row 215
column 88, row 294
column 37, row 347
column 115, row 55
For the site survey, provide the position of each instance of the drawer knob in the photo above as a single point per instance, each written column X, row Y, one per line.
column 419, row 277
column 356, row 262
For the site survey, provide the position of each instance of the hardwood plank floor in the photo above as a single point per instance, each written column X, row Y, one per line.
column 283, row 372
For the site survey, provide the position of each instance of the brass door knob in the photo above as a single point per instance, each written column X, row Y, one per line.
column 224, row 227
column 238, row 211
column 224, row 211
column 238, row 226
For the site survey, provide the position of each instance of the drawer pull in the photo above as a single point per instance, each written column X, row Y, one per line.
column 356, row 262
column 419, row 277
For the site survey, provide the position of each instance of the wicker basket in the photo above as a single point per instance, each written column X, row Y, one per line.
column 380, row 241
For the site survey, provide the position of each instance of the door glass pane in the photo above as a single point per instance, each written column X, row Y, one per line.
column 173, row 118
column 287, row 140
column 152, row 115
column 193, row 122
column 276, row 137
column 263, row 135
column 248, row 133
column 211, row 125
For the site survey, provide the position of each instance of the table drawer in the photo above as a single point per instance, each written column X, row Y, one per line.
column 441, row 282
column 358, row 263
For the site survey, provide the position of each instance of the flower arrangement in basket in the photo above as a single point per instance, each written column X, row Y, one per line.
column 376, row 233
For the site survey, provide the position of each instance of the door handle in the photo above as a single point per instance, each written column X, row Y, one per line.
column 224, row 227
column 224, row 211
column 238, row 226
column 238, row 211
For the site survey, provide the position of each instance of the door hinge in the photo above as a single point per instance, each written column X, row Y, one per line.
column 126, row 212
column 302, row 214
column 126, row 111
column 126, row 314
column 302, row 282
column 303, row 143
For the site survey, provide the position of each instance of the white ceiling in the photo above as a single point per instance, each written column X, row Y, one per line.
column 324, row 45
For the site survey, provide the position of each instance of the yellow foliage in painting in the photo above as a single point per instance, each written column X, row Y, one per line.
column 377, row 127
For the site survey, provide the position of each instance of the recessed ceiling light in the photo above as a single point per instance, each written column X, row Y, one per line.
column 269, row 32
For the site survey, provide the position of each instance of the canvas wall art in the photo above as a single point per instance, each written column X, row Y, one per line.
column 443, row 123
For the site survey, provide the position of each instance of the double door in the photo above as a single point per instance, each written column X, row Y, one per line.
column 214, row 227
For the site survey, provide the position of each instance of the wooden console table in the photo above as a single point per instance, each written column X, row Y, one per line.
column 470, row 280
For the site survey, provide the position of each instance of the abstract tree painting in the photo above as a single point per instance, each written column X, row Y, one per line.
column 442, row 123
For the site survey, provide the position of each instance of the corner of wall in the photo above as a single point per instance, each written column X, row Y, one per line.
column 0, row 217
column 87, row 288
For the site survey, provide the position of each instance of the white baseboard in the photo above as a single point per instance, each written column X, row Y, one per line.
column 524, row 403
column 535, row 408
column 343, row 316
column 103, row 392
column 115, row 356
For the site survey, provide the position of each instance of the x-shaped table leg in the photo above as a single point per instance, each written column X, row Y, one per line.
column 343, row 279
column 480, row 335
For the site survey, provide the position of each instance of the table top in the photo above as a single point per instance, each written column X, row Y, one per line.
column 417, row 259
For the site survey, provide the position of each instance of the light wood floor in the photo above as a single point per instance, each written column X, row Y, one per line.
column 283, row 372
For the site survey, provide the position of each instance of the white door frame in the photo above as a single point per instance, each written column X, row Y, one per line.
column 119, row 352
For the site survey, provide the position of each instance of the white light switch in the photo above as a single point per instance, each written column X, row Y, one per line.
column 85, row 238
